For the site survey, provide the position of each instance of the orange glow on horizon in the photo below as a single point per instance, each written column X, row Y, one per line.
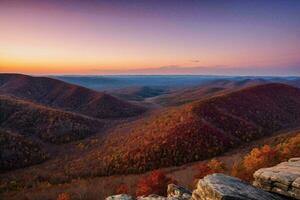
column 42, row 37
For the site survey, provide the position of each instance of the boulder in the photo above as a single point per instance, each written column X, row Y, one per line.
column 120, row 197
column 223, row 187
column 179, row 192
column 283, row 178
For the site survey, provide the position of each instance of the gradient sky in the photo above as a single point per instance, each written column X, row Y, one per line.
column 125, row 36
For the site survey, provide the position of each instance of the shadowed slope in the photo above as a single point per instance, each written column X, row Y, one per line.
column 55, row 93
column 16, row 151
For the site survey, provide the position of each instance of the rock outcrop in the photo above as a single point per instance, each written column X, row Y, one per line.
column 283, row 178
column 223, row 187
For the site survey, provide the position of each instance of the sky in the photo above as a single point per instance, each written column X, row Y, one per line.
column 257, row 37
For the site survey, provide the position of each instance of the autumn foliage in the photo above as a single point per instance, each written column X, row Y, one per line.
column 213, row 166
column 17, row 151
column 266, row 156
column 48, row 124
column 201, row 130
column 122, row 189
column 155, row 183
column 63, row 196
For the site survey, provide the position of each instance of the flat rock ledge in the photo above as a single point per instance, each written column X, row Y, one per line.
column 223, row 187
column 283, row 178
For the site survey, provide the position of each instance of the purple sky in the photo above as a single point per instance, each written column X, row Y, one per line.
column 143, row 36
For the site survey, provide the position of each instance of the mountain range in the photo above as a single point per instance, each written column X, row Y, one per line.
column 60, row 131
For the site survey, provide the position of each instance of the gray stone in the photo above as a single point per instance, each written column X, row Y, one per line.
column 283, row 178
column 223, row 187
column 179, row 192
column 120, row 197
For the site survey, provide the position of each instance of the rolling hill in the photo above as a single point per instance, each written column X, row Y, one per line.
column 201, row 129
column 48, row 124
column 59, row 94
column 172, row 136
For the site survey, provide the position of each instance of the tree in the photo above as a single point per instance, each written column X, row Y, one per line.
column 122, row 189
column 63, row 196
column 265, row 156
column 213, row 166
column 289, row 149
column 155, row 183
column 238, row 170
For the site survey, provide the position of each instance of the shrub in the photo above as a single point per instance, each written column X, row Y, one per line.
column 265, row 156
column 289, row 149
column 261, row 157
column 122, row 189
column 238, row 170
column 155, row 183
column 63, row 196
column 213, row 166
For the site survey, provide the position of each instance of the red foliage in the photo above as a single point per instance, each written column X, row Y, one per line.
column 203, row 129
column 122, row 189
column 213, row 166
column 49, row 124
column 63, row 196
column 155, row 183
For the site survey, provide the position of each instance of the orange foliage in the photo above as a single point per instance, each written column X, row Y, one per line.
column 238, row 170
column 259, row 158
column 290, row 148
column 213, row 166
column 266, row 156
column 155, row 183
column 122, row 189
column 63, row 196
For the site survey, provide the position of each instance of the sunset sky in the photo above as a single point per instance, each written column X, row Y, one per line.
column 141, row 36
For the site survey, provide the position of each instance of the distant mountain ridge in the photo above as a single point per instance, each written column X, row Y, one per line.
column 59, row 94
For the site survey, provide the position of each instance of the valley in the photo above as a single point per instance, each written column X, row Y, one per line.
column 132, row 131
